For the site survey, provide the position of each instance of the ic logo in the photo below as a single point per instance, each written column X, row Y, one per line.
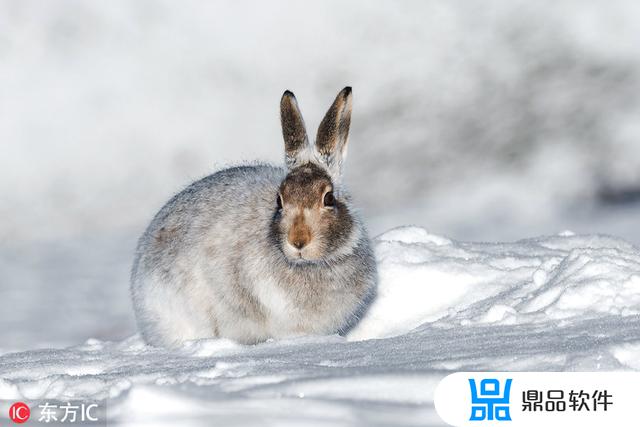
column 19, row 412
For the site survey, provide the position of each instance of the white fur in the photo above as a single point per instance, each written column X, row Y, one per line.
column 214, row 262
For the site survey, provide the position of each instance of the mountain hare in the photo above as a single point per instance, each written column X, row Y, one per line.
column 257, row 252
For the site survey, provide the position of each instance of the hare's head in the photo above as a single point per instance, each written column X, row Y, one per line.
column 312, row 220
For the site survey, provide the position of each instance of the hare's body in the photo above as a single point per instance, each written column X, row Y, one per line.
column 255, row 252
column 207, row 266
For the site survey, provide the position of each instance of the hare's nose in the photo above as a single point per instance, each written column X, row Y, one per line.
column 299, row 233
column 299, row 244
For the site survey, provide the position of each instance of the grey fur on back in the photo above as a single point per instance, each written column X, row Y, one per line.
column 211, row 264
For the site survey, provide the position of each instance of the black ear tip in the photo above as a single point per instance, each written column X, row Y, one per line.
column 346, row 91
column 288, row 94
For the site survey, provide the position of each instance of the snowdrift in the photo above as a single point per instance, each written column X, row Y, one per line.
column 427, row 278
column 562, row 302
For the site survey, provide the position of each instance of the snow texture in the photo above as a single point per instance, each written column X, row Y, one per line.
column 563, row 302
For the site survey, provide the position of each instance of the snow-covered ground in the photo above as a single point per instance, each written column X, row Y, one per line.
column 565, row 302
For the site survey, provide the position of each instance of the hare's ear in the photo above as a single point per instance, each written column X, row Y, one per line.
column 333, row 133
column 293, row 129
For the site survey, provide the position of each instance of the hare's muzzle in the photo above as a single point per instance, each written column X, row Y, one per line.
column 299, row 234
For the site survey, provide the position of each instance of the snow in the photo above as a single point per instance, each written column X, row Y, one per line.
column 533, row 280
column 565, row 302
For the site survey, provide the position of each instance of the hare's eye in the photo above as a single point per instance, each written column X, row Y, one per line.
column 329, row 200
column 279, row 201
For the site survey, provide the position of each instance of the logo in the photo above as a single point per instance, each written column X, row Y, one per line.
column 19, row 412
column 487, row 403
column 56, row 412
column 534, row 399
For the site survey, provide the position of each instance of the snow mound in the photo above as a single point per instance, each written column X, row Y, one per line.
column 427, row 278
column 564, row 302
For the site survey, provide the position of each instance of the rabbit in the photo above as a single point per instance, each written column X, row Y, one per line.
column 259, row 252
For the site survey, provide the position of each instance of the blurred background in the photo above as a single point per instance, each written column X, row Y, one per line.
column 479, row 120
